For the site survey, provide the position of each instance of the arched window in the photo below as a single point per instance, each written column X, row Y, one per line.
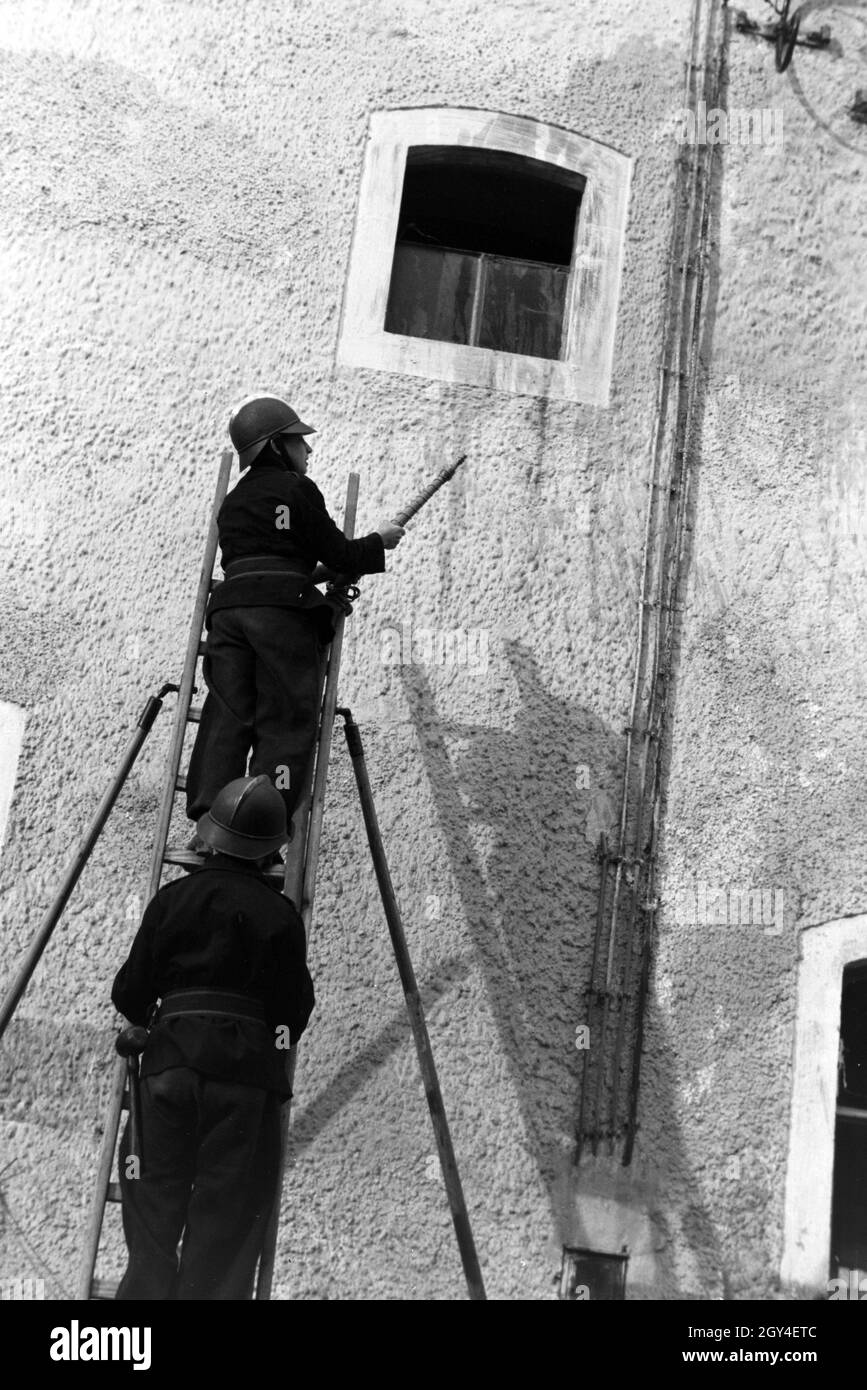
column 487, row 250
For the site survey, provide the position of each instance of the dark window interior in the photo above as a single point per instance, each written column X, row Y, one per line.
column 849, row 1203
column 853, row 1037
column 487, row 200
column 483, row 249
column 593, row 1275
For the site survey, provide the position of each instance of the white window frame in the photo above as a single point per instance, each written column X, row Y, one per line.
column 825, row 951
column 584, row 373
column 12, row 721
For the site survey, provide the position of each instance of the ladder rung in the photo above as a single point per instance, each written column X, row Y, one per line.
column 112, row 1192
column 194, row 714
column 104, row 1288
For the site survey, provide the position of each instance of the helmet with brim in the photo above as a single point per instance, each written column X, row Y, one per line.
column 247, row 819
column 257, row 419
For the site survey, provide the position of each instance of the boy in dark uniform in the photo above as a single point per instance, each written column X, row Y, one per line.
column 224, row 952
column 267, row 622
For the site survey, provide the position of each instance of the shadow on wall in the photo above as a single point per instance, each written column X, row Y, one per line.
column 529, row 908
column 528, row 900
column 387, row 1044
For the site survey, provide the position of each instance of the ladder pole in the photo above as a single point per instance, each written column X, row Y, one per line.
column 323, row 755
column 300, row 879
column 103, row 1177
column 296, row 854
column 448, row 1162
column 76, row 866
column 188, row 676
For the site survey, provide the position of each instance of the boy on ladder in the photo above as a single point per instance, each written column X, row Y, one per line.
column 267, row 623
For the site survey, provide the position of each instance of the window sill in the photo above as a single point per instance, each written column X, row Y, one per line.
column 473, row 366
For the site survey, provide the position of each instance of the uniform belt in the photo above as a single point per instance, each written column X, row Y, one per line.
column 211, row 1001
column 264, row 564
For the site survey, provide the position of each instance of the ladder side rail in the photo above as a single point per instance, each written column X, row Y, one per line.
column 188, row 678
column 84, row 1284
column 300, row 880
column 293, row 887
column 323, row 754
column 296, row 854
column 112, row 1122
column 297, row 875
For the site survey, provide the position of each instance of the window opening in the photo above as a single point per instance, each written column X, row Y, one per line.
column 849, row 1200
column 483, row 250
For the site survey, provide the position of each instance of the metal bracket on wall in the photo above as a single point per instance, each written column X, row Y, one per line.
column 599, row 995
column 784, row 32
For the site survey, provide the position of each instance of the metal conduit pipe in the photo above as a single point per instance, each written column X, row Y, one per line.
column 672, row 542
column 662, row 684
column 667, row 370
column 663, row 539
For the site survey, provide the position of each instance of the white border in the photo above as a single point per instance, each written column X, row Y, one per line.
column 594, row 282
column 825, row 950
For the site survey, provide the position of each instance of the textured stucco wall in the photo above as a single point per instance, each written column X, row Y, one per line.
column 179, row 194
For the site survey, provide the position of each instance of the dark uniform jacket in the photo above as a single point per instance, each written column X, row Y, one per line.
column 247, row 524
column 222, row 927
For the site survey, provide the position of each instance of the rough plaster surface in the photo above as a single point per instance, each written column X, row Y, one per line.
column 179, row 189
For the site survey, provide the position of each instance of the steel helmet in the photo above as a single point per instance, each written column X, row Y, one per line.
column 256, row 420
column 247, row 819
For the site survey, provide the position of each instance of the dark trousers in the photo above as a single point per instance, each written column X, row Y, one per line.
column 262, row 670
column 209, row 1173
